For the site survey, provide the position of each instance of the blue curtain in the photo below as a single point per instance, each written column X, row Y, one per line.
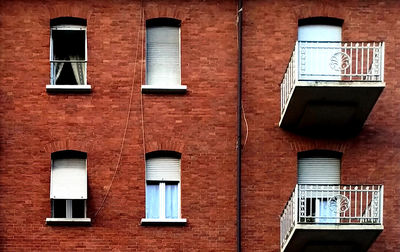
column 326, row 211
column 171, row 201
column 152, row 201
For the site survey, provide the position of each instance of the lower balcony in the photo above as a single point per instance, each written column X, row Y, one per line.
column 332, row 218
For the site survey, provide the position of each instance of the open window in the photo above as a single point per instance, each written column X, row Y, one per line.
column 163, row 188
column 68, row 54
column 68, row 187
column 163, row 56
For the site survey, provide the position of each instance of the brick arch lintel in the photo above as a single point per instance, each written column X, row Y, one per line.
column 317, row 145
column 156, row 11
column 321, row 9
column 67, row 144
column 165, row 145
column 72, row 9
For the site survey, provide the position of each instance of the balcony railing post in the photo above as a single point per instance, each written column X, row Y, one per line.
column 382, row 73
column 381, row 204
column 295, row 203
column 296, row 62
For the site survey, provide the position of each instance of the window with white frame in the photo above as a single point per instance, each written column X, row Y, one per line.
column 68, row 186
column 319, row 171
column 163, row 188
column 68, row 51
column 163, row 54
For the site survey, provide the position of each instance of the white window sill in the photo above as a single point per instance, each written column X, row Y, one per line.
column 68, row 221
column 163, row 222
column 154, row 89
column 68, row 88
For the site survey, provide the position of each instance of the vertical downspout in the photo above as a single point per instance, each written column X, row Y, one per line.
column 239, row 128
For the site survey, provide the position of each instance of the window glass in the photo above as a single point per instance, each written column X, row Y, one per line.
column 152, row 200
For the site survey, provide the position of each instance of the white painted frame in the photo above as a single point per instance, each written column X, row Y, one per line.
column 161, row 208
column 66, row 28
column 149, row 88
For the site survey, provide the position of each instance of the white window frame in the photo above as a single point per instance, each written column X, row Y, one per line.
column 161, row 202
column 68, row 205
column 162, row 219
column 53, row 87
column 154, row 88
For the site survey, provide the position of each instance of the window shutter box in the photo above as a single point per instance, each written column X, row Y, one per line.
column 163, row 56
column 68, row 179
column 163, row 169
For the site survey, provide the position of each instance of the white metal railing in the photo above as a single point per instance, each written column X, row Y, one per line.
column 333, row 61
column 332, row 204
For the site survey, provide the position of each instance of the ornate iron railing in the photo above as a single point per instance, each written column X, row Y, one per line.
column 333, row 61
column 332, row 204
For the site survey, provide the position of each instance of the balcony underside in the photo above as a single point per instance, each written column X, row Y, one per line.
column 332, row 238
column 330, row 107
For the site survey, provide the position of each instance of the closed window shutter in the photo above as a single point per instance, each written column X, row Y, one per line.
column 163, row 169
column 68, row 179
column 163, row 65
column 318, row 170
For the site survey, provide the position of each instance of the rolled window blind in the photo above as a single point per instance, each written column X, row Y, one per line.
column 163, row 64
column 318, row 170
column 163, row 169
column 68, row 179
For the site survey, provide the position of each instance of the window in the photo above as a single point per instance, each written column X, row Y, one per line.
column 163, row 55
column 163, row 188
column 68, row 53
column 68, row 187
column 318, row 175
column 320, row 41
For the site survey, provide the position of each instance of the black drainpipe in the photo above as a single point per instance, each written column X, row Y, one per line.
column 239, row 129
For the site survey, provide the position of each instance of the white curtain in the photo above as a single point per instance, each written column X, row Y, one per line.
column 58, row 66
column 79, row 69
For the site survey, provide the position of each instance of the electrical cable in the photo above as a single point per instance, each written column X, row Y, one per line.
column 125, row 130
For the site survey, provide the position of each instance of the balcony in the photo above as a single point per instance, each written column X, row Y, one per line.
column 332, row 218
column 331, row 87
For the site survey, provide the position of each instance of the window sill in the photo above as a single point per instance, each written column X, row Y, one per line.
column 68, row 88
column 153, row 89
column 68, row 221
column 163, row 222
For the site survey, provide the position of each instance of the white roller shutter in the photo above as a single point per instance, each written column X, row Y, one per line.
column 68, row 179
column 163, row 169
column 318, row 170
column 316, row 56
column 163, row 64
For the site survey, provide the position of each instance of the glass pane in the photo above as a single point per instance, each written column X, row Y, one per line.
column 152, row 201
column 68, row 44
column 78, row 208
column 171, row 201
column 59, row 208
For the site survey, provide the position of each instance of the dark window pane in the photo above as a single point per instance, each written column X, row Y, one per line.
column 78, row 208
column 59, row 208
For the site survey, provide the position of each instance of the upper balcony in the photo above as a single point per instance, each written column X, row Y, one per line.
column 332, row 218
column 331, row 87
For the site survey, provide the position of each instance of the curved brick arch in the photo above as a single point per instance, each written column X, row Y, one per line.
column 321, row 9
column 166, row 145
column 157, row 11
column 74, row 9
column 318, row 145
column 67, row 144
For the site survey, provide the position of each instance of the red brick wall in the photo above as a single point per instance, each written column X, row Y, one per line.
column 200, row 124
column 270, row 155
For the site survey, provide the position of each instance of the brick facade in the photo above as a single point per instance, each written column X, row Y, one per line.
column 200, row 124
